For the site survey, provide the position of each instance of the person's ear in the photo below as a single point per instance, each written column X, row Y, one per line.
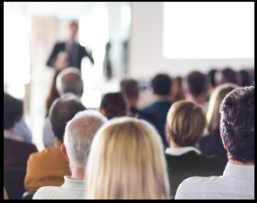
column 63, row 150
column 222, row 139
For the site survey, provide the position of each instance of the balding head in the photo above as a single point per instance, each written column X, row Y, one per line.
column 69, row 81
column 79, row 134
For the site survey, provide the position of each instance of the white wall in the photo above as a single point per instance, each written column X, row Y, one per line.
column 146, row 53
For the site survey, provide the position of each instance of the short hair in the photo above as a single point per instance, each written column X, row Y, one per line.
column 127, row 162
column 237, row 124
column 245, row 78
column 63, row 110
column 13, row 111
column 113, row 105
column 213, row 114
column 129, row 88
column 228, row 76
column 211, row 75
column 69, row 80
column 186, row 122
column 78, row 136
column 161, row 84
column 196, row 83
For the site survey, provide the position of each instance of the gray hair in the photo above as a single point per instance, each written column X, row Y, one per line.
column 79, row 134
column 69, row 80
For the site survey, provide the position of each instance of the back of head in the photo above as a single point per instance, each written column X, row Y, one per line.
column 211, row 75
column 63, row 110
column 79, row 134
column 245, row 78
column 196, row 83
column 237, row 124
column 13, row 111
column 161, row 84
column 177, row 90
column 127, row 162
column 129, row 88
column 69, row 81
column 113, row 105
column 228, row 76
column 186, row 122
column 213, row 114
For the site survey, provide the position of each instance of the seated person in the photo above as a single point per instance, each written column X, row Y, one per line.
column 185, row 125
column 227, row 75
column 161, row 85
column 22, row 130
column 197, row 88
column 177, row 92
column 211, row 145
column 126, row 161
column 67, row 81
column 237, row 135
column 114, row 105
column 78, row 137
column 16, row 152
column 48, row 167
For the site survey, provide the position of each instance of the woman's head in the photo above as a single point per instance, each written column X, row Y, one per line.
column 186, row 122
column 213, row 115
column 13, row 111
column 113, row 105
column 127, row 162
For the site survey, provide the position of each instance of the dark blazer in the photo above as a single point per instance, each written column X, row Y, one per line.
column 188, row 165
column 211, row 145
column 60, row 46
column 16, row 153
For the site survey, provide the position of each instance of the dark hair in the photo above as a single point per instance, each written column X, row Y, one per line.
column 53, row 94
column 245, row 78
column 63, row 110
column 196, row 83
column 13, row 111
column 228, row 76
column 237, row 123
column 211, row 75
column 114, row 105
column 129, row 88
column 161, row 84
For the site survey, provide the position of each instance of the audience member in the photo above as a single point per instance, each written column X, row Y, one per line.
column 245, row 78
column 196, row 88
column 211, row 74
column 67, row 81
column 185, row 125
column 177, row 92
column 113, row 105
column 126, row 161
column 130, row 90
column 161, row 85
column 237, row 135
column 78, row 136
column 227, row 75
column 22, row 130
column 48, row 167
column 211, row 144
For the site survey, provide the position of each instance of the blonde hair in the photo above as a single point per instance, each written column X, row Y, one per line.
column 127, row 162
column 186, row 122
column 213, row 115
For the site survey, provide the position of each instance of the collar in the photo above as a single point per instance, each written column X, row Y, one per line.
column 71, row 184
column 181, row 150
column 239, row 171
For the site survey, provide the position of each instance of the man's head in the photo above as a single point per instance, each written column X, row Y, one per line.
column 161, row 84
column 78, row 136
column 227, row 75
column 196, row 84
column 63, row 110
column 13, row 111
column 69, row 81
column 237, row 124
column 129, row 89
column 73, row 29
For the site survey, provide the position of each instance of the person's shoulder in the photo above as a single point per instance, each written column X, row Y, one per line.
column 45, row 192
column 42, row 154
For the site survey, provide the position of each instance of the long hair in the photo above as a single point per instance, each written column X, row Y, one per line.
column 127, row 162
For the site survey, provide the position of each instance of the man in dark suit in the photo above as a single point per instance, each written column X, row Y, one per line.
column 73, row 52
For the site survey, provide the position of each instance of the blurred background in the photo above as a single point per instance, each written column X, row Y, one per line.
column 135, row 39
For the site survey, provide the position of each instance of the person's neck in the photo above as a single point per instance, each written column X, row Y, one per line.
column 200, row 100
column 162, row 98
column 240, row 163
column 77, row 173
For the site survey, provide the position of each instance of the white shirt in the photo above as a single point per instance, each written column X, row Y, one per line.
column 237, row 182
column 71, row 189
